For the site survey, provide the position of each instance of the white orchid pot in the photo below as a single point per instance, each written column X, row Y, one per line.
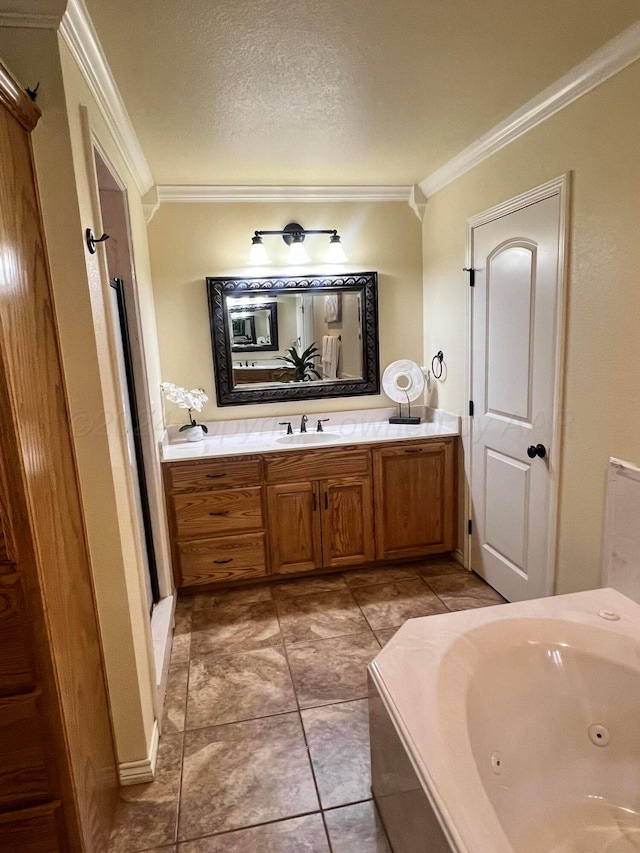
column 196, row 433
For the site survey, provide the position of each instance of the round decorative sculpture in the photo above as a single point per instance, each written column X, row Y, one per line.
column 403, row 382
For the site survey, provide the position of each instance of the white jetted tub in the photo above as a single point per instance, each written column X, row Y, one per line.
column 511, row 729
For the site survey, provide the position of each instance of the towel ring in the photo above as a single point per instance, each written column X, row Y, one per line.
column 436, row 369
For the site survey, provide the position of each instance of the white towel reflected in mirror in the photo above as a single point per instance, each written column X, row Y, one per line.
column 332, row 307
column 330, row 356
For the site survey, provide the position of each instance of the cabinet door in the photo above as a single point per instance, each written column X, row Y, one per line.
column 415, row 501
column 347, row 521
column 294, row 527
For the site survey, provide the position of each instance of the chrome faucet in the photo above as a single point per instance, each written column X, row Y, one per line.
column 303, row 423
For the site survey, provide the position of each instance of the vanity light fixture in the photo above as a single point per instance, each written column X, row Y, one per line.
column 294, row 235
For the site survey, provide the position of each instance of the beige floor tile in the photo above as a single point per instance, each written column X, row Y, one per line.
column 464, row 585
column 180, row 649
column 367, row 577
column 338, row 738
column 171, row 849
column 384, row 635
column 146, row 816
column 320, row 616
column 356, row 829
column 184, row 609
column 439, row 566
column 175, row 701
column 238, row 686
column 335, row 670
column 308, row 586
column 234, row 596
column 234, row 627
column 299, row 835
column 462, row 602
column 390, row 605
column 243, row 774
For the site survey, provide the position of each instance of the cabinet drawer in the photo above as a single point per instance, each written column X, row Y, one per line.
column 207, row 514
column 415, row 448
column 35, row 830
column 223, row 559
column 16, row 665
column 316, row 464
column 24, row 774
column 214, row 474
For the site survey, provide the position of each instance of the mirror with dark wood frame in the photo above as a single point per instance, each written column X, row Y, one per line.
column 320, row 333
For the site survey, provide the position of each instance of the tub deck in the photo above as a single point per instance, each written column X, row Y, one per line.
column 511, row 729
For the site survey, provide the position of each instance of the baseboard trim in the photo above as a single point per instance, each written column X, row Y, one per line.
column 458, row 556
column 137, row 772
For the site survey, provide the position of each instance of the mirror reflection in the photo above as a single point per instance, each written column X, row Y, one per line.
column 253, row 324
column 278, row 338
column 318, row 337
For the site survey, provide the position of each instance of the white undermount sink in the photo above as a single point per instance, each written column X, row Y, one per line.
column 308, row 438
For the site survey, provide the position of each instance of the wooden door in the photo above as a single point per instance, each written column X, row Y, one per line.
column 294, row 527
column 62, row 745
column 415, row 499
column 347, row 521
column 516, row 334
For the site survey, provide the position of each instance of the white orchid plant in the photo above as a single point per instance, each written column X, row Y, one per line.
column 192, row 400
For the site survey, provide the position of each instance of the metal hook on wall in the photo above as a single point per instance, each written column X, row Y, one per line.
column 92, row 241
column 436, row 368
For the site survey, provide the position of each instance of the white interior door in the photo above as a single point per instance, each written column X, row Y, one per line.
column 516, row 332
column 304, row 319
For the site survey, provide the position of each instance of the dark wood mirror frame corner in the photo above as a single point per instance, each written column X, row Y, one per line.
column 229, row 395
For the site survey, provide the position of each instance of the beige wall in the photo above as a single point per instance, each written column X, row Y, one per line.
column 91, row 382
column 188, row 242
column 597, row 139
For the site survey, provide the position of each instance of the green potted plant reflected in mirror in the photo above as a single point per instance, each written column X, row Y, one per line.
column 302, row 364
column 192, row 400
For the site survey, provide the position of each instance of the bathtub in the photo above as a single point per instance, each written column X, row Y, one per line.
column 511, row 729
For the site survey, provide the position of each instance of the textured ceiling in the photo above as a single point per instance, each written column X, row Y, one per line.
column 334, row 91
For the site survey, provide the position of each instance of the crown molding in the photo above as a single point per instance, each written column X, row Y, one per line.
column 78, row 33
column 150, row 203
column 31, row 21
column 418, row 202
column 38, row 14
column 200, row 193
column 608, row 60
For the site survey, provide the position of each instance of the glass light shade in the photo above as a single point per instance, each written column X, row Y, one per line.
column 298, row 253
column 258, row 255
column 335, row 252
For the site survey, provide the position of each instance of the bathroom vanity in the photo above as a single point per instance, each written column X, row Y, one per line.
column 309, row 504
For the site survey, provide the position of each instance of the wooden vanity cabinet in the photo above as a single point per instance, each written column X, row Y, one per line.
column 320, row 524
column 320, row 508
column 294, row 527
column 309, row 510
column 415, row 499
column 347, row 521
column 217, row 519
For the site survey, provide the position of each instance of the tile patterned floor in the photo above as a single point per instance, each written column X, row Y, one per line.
column 265, row 744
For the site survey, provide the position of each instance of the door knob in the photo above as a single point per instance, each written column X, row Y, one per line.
column 536, row 450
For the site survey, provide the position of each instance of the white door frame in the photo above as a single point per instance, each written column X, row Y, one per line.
column 561, row 187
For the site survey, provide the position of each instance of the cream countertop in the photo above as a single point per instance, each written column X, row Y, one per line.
column 235, row 438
